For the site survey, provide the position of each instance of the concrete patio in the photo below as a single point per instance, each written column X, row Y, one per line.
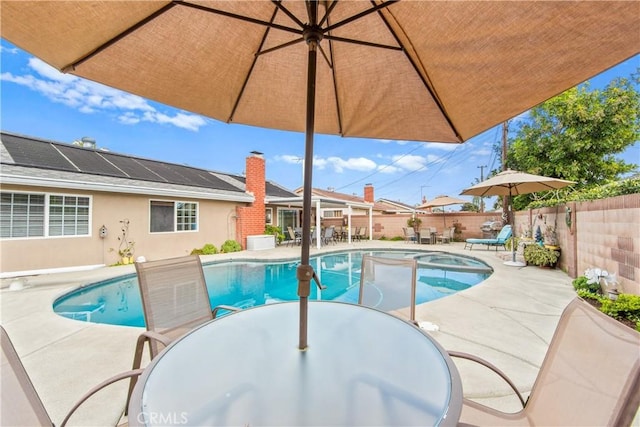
column 509, row 319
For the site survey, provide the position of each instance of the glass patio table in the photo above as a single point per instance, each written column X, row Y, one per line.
column 362, row 367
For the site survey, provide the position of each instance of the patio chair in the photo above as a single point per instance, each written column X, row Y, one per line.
column 294, row 238
column 447, row 235
column 328, row 236
column 589, row 376
column 389, row 284
column 21, row 404
column 409, row 234
column 362, row 234
column 425, row 235
column 500, row 240
column 174, row 300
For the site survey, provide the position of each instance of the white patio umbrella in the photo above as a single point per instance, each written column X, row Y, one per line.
column 441, row 201
column 511, row 183
column 404, row 70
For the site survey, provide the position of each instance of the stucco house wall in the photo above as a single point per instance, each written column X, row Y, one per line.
column 217, row 223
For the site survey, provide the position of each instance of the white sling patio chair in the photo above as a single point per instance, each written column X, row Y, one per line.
column 590, row 376
column 389, row 284
column 21, row 405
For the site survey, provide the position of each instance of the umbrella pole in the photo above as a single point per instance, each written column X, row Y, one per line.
column 512, row 221
column 304, row 272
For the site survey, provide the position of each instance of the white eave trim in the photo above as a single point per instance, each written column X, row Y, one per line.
column 122, row 188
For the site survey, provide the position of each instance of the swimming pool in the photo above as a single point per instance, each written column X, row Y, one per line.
column 250, row 283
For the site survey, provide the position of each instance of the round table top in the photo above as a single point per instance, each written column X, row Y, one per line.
column 362, row 367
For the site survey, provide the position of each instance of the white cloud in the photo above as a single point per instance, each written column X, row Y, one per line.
column 441, row 146
column 357, row 164
column 410, row 162
column 89, row 97
column 289, row 158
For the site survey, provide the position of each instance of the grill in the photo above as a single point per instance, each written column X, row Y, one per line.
column 490, row 229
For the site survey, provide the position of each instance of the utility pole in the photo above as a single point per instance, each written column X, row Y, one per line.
column 421, row 196
column 481, row 179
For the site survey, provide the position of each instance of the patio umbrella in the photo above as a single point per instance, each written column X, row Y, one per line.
column 511, row 183
column 442, row 201
column 406, row 70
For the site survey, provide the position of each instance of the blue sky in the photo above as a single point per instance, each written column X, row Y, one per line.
column 38, row 101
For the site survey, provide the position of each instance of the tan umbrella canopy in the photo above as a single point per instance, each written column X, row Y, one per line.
column 442, row 201
column 511, row 183
column 413, row 70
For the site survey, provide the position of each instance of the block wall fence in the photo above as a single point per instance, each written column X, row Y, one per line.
column 601, row 233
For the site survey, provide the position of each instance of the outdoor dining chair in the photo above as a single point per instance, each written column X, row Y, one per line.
column 409, row 234
column 590, row 376
column 389, row 284
column 174, row 300
column 21, row 405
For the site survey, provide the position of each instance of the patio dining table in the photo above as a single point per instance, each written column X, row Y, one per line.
column 362, row 367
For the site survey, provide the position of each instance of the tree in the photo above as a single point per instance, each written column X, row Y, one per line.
column 470, row 207
column 577, row 134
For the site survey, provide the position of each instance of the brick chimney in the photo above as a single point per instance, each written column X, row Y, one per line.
column 368, row 193
column 251, row 219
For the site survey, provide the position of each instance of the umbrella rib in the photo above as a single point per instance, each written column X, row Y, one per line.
column 244, row 18
column 253, row 64
column 117, row 38
column 278, row 4
column 328, row 13
column 333, row 70
column 283, row 45
column 375, row 8
column 424, row 79
column 362, row 42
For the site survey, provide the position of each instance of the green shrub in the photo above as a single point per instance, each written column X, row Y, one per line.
column 276, row 231
column 230, row 246
column 207, row 249
column 587, row 294
column 397, row 239
column 541, row 256
column 626, row 306
column 582, row 282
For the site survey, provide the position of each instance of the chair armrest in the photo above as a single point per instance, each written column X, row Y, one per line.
column 144, row 337
column 223, row 307
column 94, row 390
column 483, row 362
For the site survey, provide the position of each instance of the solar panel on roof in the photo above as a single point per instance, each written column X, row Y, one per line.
column 90, row 161
column 28, row 152
column 133, row 168
column 185, row 175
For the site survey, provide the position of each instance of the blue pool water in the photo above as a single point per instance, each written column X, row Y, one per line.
column 245, row 284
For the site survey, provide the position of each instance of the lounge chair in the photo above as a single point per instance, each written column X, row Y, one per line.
column 174, row 300
column 21, row 405
column 389, row 284
column 589, row 376
column 500, row 239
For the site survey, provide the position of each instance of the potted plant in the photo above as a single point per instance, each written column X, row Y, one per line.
column 414, row 222
column 541, row 256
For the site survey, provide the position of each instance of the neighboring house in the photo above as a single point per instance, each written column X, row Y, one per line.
column 64, row 206
column 353, row 204
column 393, row 207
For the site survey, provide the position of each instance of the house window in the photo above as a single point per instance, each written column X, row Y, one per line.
column 173, row 216
column 268, row 216
column 43, row 215
column 332, row 214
